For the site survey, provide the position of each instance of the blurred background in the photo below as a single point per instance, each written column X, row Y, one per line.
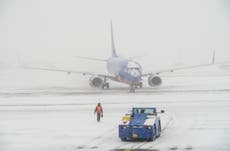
column 163, row 33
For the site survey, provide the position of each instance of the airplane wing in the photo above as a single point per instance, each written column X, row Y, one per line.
column 181, row 68
column 94, row 59
column 174, row 69
column 71, row 71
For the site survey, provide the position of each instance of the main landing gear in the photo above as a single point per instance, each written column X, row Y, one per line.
column 105, row 84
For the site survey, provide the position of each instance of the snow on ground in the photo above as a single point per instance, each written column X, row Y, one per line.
column 197, row 105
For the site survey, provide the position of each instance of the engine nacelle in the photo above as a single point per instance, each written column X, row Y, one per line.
column 96, row 82
column 154, row 80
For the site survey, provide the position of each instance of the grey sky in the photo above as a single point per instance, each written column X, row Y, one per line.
column 163, row 30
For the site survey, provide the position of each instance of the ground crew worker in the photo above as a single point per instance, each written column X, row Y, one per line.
column 99, row 111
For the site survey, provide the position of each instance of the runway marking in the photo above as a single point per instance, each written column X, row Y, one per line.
column 173, row 148
column 97, row 141
column 188, row 148
column 134, row 150
column 154, row 143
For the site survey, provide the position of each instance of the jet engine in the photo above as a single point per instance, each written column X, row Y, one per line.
column 154, row 80
column 96, row 82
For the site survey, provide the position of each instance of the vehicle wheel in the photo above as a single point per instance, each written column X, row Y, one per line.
column 123, row 139
column 155, row 131
column 159, row 129
column 150, row 139
column 159, row 126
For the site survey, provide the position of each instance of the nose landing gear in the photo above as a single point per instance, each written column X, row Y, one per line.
column 132, row 87
column 139, row 85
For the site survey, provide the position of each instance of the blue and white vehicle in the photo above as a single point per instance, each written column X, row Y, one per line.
column 141, row 124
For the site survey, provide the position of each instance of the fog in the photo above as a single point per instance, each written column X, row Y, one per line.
column 162, row 32
column 43, row 110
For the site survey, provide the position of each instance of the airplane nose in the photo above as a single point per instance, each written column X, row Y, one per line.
column 136, row 75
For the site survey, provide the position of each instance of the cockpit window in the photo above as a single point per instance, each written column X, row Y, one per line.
column 132, row 65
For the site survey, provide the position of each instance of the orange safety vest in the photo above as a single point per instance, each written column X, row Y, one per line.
column 99, row 109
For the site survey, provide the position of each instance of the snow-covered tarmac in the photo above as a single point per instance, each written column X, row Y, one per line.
column 197, row 105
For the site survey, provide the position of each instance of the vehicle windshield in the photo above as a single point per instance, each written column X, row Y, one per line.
column 149, row 111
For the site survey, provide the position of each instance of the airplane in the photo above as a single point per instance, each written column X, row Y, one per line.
column 124, row 70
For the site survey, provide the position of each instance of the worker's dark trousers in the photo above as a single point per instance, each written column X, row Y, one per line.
column 98, row 117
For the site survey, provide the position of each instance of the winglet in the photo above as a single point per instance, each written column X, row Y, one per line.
column 213, row 57
column 114, row 54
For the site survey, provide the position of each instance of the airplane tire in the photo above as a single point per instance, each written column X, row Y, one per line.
column 132, row 88
column 123, row 139
column 141, row 85
column 106, row 85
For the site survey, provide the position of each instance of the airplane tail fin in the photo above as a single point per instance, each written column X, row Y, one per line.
column 114, row 54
